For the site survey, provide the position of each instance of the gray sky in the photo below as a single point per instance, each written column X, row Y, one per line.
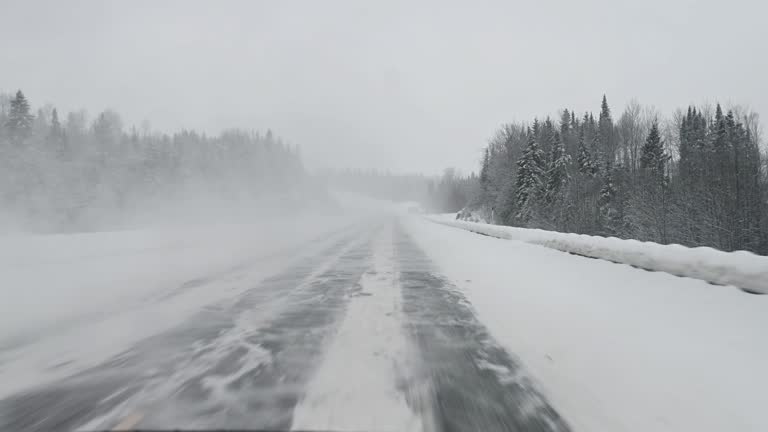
column 400, row 85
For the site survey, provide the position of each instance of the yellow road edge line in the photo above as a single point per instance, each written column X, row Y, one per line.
column 129, row 422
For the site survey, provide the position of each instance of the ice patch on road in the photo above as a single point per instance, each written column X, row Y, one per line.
column 356, row 385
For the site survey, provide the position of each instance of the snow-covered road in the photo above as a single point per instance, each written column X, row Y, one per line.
column 362, row 334
column 387, row 322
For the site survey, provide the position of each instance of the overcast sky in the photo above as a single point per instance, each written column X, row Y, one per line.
column 407, row 86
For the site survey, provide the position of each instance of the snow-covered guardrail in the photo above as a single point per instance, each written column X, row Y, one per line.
column 742, row 269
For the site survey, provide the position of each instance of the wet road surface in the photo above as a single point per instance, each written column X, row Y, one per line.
column 246, row 363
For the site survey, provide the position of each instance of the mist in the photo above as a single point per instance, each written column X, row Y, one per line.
column 383, row 85
column 77, row 174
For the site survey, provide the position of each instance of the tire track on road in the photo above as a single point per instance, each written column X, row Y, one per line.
column 464, row 380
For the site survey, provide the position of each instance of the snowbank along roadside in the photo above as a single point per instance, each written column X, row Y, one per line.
column 741, row 269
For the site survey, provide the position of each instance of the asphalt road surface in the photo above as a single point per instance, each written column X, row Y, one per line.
column 246, row 363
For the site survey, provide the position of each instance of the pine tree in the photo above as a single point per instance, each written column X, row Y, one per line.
column 56, row 129
column 605, row 111
column 607, row 191
column 605, row 142
column 557, row 174
column 689, row 184
column 584, row 159
column 687, row 150
column 484, row 174
column 19, row 120
column 565, row 122
column 546, row 136
column 604, row 155
column 653, row 157
column 529, row 175
column 56, row 139
column 650, row 209
column 607, row 203
column 719, row 132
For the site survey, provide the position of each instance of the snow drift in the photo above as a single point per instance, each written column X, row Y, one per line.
column 70, row 301
column 742, row 269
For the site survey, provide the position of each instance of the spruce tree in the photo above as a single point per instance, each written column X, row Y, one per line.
column 605, row 142
column 529, row 175
column 565, row 122
column 557, row 174
column 651, row 205
column 484, row 174
column 56, row 129
column 584, row 158
column 607, row 204
column 605, row 111
column 19, row 120
column 56, row 139
column 653, row 157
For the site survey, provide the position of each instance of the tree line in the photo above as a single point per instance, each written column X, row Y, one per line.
column 697, row 179
column 66, row 172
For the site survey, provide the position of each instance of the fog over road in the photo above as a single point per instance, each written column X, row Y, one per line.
column 363, row 334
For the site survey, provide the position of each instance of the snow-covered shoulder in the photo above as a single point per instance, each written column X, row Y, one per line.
column 742, row 269
column 614, row 348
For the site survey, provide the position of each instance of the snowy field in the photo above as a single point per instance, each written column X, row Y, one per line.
column 741, row 269
column 615, row 348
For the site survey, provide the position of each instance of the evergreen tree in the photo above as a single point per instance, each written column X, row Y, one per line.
column 606, row 151
column 690, row 187
column 653, row 157
column 557, row 174
column 55, row 138
column 530, row 175
column 19, row 120
column 605, row 111
column 584, row 158
column 650, row 209
column 56, row 129
column 484, row 173
column 565, row 122
column 609, row 213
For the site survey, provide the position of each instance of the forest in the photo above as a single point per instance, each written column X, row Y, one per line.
column 697, row 179
column 66, row 173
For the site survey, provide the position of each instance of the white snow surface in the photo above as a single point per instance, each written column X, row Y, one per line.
column 741, row 269
column 355, row 387
column 615, row 349
column 113, row 289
